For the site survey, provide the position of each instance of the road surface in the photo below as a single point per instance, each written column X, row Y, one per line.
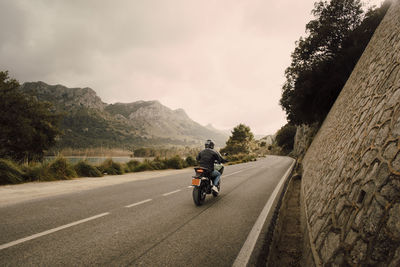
column 148, row 222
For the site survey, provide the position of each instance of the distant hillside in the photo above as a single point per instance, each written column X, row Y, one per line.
column 89, row 122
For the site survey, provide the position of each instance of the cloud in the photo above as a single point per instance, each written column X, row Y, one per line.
column 222, row 61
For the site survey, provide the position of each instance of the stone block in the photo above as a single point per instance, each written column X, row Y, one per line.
column 359, row 252
column 339, row 259
column 317, row 227
column 395, row 164
column 383, row 247
column 357, row 224
column 369, row 189
column 396, row 259
column 351, row 237
column 330, row 246
column 390, row 151
column 391, row 191
column 382, row 134
column 344, row 217
column 369, row 156
column 396, row 128
column 393, row 223
column 371, row 219
column 381, row 200
column 382, row 174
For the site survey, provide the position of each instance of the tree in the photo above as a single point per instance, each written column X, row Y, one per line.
column 323, row 61
column 285, row 137
column 239, row 141
column 27, row 127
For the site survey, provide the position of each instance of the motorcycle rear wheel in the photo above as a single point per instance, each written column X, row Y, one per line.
column 199, row 195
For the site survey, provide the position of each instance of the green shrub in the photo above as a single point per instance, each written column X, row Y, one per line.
column 38, row 172
column 190, row 161
column 144, row 166
column 285, row 137
column 158, row 164
column 84, row 169
column 60, row 169
column 10, row 173
column 131, row 165
column 111, row 167
column 175, row 162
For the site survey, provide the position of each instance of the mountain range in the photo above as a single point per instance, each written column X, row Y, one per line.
column 89, row 122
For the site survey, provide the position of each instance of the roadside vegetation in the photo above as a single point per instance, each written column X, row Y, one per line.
column 60, row 169
column 285, row 139
column 240, row 146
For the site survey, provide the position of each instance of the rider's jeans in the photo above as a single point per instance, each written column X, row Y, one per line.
column 216, row 175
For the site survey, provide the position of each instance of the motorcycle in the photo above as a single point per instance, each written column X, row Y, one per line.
column 202, row 183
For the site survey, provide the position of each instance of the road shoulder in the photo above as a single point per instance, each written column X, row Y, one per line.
column 14, row 194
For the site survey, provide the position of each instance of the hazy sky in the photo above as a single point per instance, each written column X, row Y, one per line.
column 221, row 61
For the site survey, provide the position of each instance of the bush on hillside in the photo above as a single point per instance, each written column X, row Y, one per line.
column 84, row 169
column 190, row 161
column 38, row 172
column 10, row 173
column 61, row 169
column 175, row 162
column 144, row 166
column 111, row 167
column 131, row 165
column 158, row 164
column 285, row 138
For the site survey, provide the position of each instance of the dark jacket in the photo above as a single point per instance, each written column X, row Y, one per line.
column 207, row 157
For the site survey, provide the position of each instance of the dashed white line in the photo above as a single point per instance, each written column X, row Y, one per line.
column 170, row 193
column 138, row 203
column 235, row 172
column 16, row 242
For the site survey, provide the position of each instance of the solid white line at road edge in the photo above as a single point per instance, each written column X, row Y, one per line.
column 138, row 203
column 245, row 253
column 16, row 242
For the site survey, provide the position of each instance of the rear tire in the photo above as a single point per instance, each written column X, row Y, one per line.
column 199, row 194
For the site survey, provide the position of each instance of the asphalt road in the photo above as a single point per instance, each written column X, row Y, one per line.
column 151, row 222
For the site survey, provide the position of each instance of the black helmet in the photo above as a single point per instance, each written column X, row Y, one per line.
column 209, row 144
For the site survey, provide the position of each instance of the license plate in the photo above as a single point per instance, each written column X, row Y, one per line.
column 196, row 182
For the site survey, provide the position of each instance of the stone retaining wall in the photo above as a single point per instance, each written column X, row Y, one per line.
column 351, row 172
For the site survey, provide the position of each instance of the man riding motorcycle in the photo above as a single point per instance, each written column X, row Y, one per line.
column 207, row 158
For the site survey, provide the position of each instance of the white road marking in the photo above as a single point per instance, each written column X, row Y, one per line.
column 231, row 173
column 16, row 242
column 170, row 193
column 138, row 203
column 245, row 253
column 236, row 172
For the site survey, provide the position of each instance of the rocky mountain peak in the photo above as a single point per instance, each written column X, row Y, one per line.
column 64, row 96
column 181, row 112
column 138, row 122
